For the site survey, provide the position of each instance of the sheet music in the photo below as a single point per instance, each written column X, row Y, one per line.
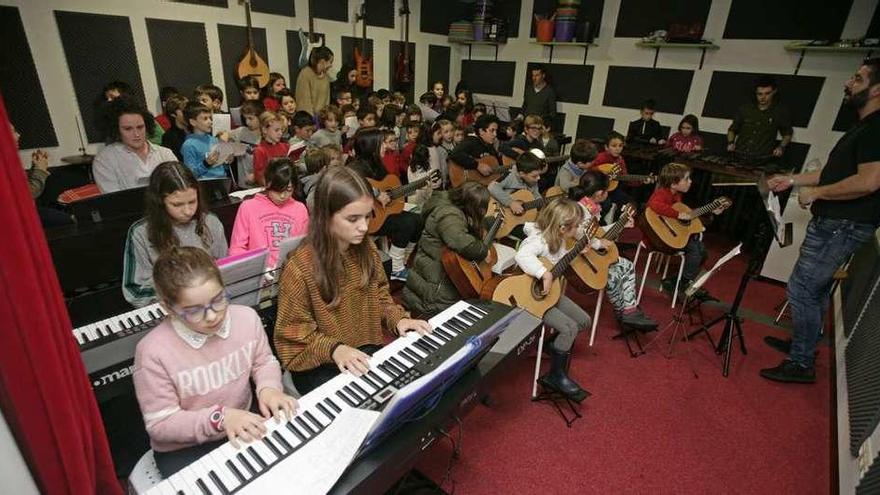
column 718, row 264
column 317, row 467
column 221, row 122
column 243, row 276
column 225, row 150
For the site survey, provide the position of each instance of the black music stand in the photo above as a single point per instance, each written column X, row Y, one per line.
column 782, row 232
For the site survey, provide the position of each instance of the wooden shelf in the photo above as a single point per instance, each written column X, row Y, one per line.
column 803, row 47
column 657, row 45
column 554, row 44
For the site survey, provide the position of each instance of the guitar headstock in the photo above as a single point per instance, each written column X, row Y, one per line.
column 650, row 179
column 628, row 211
column 404, row 8
column 724, row 202
column 589, row 229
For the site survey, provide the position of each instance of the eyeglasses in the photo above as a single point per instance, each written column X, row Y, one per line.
column 198, row 314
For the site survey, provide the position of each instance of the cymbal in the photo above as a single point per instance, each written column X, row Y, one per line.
column 84, row 159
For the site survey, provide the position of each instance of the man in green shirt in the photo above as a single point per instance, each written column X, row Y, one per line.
column 753, row 131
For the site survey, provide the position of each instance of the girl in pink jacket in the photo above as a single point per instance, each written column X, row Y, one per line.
column 271, row 216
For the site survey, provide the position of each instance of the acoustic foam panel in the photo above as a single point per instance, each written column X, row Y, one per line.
column 294, row 46
column 438, row 65
column 638, row 18
column 570, row 82
column 99, row 49
column 183, row 69
column 396, row 48
column 333, row 10
column 591, row 127
column 846, row 118
column 874, row 28
column 714, row 142
column 380, row 13
column 786, row 19
column 20, row 85
column 233, row 43
column 628, row 87
column 277, row 7
column 589, row 11
column 207, row 3
column 489, row 77
column 437, row 15
column 729, row 90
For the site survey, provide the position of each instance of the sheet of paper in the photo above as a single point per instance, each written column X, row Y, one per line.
column 315, row 468
column 222, row 122
column 225, row 150
column 721, row 261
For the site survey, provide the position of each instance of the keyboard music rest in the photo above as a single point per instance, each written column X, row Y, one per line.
column 392, row 367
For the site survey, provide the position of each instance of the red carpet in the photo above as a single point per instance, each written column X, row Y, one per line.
column 651, row 426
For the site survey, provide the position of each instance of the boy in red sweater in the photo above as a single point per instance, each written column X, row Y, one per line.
column 674, row 181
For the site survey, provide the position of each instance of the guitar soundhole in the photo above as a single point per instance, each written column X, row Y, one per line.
column 602, row 251
column 538, row 289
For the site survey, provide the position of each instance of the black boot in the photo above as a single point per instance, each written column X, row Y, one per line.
column 557, row 378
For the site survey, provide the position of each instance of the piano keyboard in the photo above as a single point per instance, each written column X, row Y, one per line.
column 227, row 470
column 99, row 333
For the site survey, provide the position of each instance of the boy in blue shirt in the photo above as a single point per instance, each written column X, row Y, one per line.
column 196, row 150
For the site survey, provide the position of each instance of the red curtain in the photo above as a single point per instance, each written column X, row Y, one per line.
column 44, row 390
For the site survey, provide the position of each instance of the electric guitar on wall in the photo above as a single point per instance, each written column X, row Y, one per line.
column 362, row 63
column 251, row 64
column 403, row 72
column 307, row 41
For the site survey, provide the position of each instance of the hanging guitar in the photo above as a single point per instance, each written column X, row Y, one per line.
column 590, row 271
column 469, row 276
column 251, row 64
column 307, row 41
column 397, row 194
column 527, row 292
column 362, row 63
column 668, row 234
column 612, row 170
column 530, row 205
column 403, row 72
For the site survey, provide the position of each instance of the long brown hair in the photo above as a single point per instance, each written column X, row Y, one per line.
column 561, row 212
column 169, row 178
column 472, row 198
column 335, row 189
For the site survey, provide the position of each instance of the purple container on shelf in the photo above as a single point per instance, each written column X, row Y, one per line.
column 564, row 30
column 479, row 31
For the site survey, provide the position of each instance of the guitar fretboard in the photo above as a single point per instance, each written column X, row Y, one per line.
column 563, row 264
column 401, row 191
column 714, row 205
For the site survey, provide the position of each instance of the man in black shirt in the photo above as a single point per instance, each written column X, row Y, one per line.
column 474, row 147
column 753, row 131
column 845, row 199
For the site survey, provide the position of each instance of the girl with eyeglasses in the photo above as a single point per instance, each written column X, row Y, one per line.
column 272, row 215
column 192, row 373
column 175, row 216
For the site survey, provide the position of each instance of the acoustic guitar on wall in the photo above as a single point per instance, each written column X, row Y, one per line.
column 668, row 234
column 251, row 64
column 362, row 63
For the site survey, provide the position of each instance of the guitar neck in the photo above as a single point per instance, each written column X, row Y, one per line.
column 633, row 178
column 400, row 191
column 563, row 264
column 311, row 24
column 539, row 202
column 714, row 205
column 614, row 231
column 247, row 16
column 496, row 224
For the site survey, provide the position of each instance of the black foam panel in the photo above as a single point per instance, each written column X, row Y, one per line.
column 874, row 28
column 638, row 18
column 489, row 77
column 715, row 142
column 333, row 10
column 438, row 65
column 591, row 127
column 436, row 15
column 570, row 82
column 396, row 48
column 233, row 43
column 628, row 87
column 277, row 7
column 846, row 118
column 786, row 19
column 293, row 51
column 381, row 13
column 183, row 69
column 20, row 85
column 99, row 49
column 795, row 155
column 207, row 3
column 729, row 90
column 589, row 11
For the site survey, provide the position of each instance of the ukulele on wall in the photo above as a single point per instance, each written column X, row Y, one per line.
column 403, row 72
column 362, row 63
column 251, row 64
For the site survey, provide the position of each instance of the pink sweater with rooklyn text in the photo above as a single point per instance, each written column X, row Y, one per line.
column 178, row 386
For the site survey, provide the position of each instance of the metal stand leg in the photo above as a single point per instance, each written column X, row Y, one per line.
column 538, row 361
column 596, row 316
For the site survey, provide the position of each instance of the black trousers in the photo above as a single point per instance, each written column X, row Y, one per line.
column 402, row 228
column 306, row 381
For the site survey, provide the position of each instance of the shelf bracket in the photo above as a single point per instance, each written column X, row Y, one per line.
column 551, row 54
column 800, row 61
column 496, row 52
column 586, row 51
column 702, row 57
column 656, row 55
column 470, row 47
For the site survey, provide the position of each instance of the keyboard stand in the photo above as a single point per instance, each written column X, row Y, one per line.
column 628, row 335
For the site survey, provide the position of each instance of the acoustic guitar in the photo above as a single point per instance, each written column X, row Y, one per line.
column 251, row 64
column 526, row 291
column 530, row 205
column 668, row 234
column 590, row 271
column 362, row 63
column 469, row 276
column 403, row 72
column 397, row 193
column 612, row 170
column 458, row 175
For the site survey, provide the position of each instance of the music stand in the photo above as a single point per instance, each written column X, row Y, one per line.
column 127, row 203
column 732, row 321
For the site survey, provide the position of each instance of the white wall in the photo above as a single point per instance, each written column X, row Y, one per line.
column 13, row 470
column 734, row 55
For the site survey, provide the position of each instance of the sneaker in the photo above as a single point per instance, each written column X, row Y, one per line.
column 401, row 275
column 790, row 372
column 638, row 320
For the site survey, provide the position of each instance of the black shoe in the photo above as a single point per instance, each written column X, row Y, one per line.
column 638, row 320
column 558, row 380
column 790, row 372
column 783, row 346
